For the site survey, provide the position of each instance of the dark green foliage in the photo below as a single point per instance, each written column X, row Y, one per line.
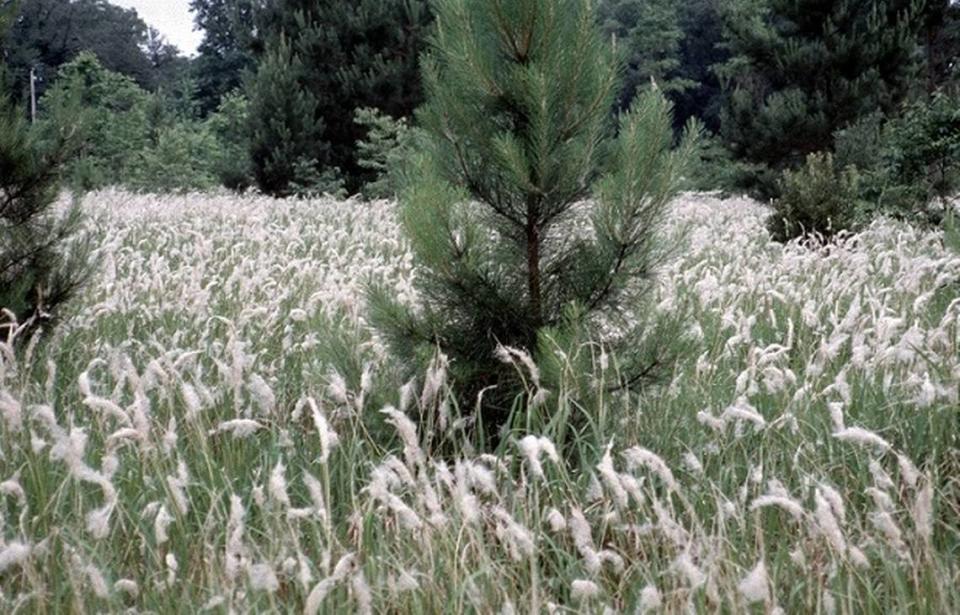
column 713, row 167
column 47, row 34
column 673, row 44
column 801, row 70
column 180, row 158
column 225, row 53
column 168, row 68
column 350, row 55
column 648, row 34
column 510, row 251
column 700, row 49
column 286, row 135
column 816, row 199
column 42, row 264
column 149, row 142
column 925, row 148
column 940, row 39
column 910, row 164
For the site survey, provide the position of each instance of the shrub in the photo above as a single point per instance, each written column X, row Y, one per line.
column 182, row 159
column 389, row 145
column 817, row 198
column 909, row 165
column 924, row 155
column 231, row 164
column 115, row 121
column 714, row 168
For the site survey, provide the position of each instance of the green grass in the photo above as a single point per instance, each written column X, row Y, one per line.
column 202, row 298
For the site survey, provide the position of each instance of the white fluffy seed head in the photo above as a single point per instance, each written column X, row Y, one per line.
column 786, row 503
column 530, row 449
column 582, row 589
column 14, row 554
column 161, row 523
column 556, row 520
column 864, row 437
column 407, row 431
column 611, row 480
column 127, row 586
column 263, row 578
column 277, row 485
column 755, row 587
column 922, row 511
column 641, row 457
column 908, row 471
column 650, row 599
column 238, row 428
column 684, row 566
column 827, row 522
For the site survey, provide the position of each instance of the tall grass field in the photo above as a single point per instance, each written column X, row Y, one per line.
column 214, row 428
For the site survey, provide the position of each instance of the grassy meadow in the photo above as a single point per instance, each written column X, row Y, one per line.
column 213, row 428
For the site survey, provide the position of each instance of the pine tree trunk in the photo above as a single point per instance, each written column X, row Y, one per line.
column 533, row 261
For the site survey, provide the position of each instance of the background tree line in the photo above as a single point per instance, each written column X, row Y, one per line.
column 301, row 97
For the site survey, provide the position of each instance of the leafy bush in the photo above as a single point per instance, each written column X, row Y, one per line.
column 817, row 198
column 714, row 168
column 389, row 145
column 231, row 164
column 909, row 165
column 182, row 159
column 924, row 154
column 115, row 120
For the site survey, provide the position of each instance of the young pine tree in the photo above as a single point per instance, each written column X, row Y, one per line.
column 42, row 263
column 648, row 34
column 531, row 224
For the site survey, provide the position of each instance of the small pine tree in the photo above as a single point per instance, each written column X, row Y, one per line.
column 648, row 34
column 529, row 222
column 385, row 150
column 42, row 263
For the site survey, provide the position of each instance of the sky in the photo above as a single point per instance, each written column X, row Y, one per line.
column 171, row 17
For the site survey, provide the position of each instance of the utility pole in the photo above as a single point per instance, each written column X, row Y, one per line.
column 33, row 95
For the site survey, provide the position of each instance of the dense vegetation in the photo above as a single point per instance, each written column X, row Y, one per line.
column 42, row 263
column 520, row 370
column 774, row 82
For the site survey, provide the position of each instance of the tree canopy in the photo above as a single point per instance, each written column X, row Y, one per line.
column 801, row 70
column 350, row 55
column 46, row 34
